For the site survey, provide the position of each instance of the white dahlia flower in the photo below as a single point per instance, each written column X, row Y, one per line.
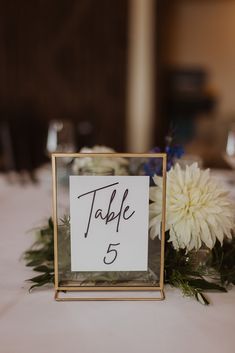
column 119, row 165
column 198, row 210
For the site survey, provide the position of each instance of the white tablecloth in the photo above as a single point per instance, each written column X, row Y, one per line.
column 35, row 323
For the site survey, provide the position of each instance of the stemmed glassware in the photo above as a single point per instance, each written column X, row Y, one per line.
column 229, row 155
column 60, row 137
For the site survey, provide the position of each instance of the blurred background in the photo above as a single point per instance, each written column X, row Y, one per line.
column 120, row 73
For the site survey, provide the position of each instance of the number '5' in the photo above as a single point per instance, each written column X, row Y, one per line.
column 114, row 254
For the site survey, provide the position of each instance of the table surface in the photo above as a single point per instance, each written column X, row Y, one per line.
column 34, row 322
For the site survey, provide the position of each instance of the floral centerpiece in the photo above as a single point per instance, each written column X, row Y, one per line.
column 199, row 218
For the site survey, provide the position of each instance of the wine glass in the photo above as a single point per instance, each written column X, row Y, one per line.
column 229, row 156
column 60, row 137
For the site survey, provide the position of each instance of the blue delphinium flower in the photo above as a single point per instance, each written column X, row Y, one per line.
column 154, row 165
column 173, row 152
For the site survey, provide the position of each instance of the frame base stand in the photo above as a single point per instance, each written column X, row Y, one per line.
column 109, row 296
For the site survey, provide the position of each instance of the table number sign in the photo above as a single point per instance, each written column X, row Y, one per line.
column 109, row 223
column 101, row 228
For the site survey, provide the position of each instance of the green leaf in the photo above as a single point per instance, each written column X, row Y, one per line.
column 204, row 285
column 38, row 285
column 41, row 278
column 50, row 224
column 33, row 263
column 43, row 268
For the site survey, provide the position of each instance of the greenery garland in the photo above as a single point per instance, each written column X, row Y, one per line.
column 41, row 256
column 217, row 274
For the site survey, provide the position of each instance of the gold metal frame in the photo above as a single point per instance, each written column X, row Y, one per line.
column 59, row 289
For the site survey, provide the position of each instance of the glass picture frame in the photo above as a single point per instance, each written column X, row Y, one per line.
column 135, row 283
